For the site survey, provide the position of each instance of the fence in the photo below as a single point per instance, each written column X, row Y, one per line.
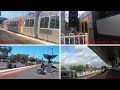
column 74, row 39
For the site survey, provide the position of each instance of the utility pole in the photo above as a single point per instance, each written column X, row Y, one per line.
column 52, row 50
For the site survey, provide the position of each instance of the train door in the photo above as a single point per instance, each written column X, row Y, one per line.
column 21, row 25
column 43, row 30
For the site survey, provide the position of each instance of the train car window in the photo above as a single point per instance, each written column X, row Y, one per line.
column 26, row 23
column 31, row 22
column 42, row 22
column 15, row 23
column 46, row 22
column 12, row 23
column 57, row 22
column 52, row 22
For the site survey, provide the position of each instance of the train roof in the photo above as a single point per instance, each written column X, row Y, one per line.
column 85, row 14
column 15, row 18
column 31, row 15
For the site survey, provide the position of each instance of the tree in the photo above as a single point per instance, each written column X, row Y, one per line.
column 63, row 68
column 2, row 19
column 87, row 67
column 77, row 68
column 5, row 50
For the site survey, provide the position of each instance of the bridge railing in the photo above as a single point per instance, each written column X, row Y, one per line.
column 74, row 39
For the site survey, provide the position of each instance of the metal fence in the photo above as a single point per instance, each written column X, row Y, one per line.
column 74, row 39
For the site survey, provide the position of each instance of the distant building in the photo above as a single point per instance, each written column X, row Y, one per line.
column 73, row 20
column 2, row 19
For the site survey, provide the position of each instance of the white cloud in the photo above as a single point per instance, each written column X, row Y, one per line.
column 83, row 55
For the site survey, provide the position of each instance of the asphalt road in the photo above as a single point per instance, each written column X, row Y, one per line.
column 9, row 38
column 30, row 73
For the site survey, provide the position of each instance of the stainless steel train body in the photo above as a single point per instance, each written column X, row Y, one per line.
column 45, row 25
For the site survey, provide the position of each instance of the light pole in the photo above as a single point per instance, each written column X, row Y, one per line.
column 49, row 57
column 52, row 50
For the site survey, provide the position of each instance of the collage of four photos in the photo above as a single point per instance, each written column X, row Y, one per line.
column 59, row 44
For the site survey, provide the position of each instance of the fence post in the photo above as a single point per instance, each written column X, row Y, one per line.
column 86, row 38
column 62, row 38
column 72, row 37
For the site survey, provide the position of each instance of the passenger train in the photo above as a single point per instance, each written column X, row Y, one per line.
column 44, row 25
column 101, row 25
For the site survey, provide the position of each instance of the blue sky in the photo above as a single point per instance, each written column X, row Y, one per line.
column 82, row 54
column 67, row 49
column 12, row 14
column 37, row 50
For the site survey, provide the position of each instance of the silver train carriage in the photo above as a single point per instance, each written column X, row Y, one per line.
column 45, row 25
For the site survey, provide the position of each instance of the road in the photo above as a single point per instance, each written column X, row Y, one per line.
column 29, row 73
column 8, row 37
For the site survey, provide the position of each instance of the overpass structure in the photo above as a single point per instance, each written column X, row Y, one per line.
column 109, row 54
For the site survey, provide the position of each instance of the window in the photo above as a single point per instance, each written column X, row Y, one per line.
column 15, row 23
column 42, row 22
column 12, row 23
column 52, row 22
column 46, row 22
column 31, row 22
column 27, row 23
column 57, row 22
